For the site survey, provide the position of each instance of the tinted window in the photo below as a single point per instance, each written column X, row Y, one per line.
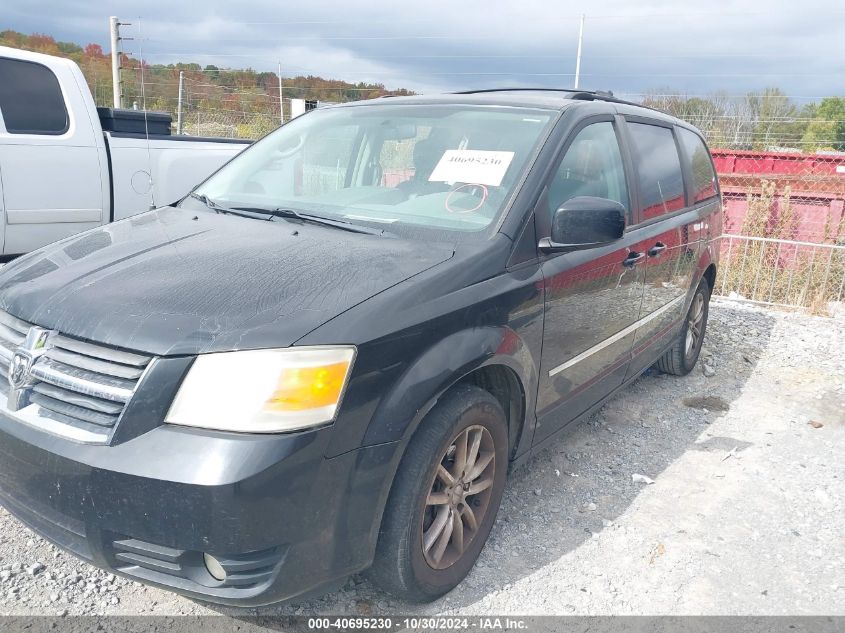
column 30, row 99
column 592, row 166
column 658, row 168
column 701, row 168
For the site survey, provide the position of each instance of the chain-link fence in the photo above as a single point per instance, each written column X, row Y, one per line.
column 227, row 103
column 784, row 273
column 785, row 227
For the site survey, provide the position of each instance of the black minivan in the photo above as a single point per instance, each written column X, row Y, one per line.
column 327, row 356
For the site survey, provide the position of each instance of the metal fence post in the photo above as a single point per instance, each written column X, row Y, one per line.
column 179, row 104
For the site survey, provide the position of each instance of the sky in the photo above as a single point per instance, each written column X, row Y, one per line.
column 439, row 45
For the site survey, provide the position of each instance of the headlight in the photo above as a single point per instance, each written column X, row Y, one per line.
column 263, row 391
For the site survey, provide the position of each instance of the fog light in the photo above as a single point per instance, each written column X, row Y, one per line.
column 214, row 567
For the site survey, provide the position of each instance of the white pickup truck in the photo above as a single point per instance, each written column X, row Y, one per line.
column 67, row 166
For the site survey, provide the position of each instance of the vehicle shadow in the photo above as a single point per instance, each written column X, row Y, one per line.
column 576, row 487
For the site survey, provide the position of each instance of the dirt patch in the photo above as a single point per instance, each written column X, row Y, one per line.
column 711, row 403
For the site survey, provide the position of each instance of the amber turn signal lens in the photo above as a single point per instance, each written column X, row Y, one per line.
column 304, row 388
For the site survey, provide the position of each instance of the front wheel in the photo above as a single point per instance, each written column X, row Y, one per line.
column 682, row 356
column 445, row 497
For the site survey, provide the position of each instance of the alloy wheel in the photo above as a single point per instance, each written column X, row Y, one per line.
column 695, row 323
column 459, row 496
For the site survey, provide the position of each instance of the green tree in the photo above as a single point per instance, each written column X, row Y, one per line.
column 826, row 130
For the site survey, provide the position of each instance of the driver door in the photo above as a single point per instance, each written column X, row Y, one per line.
column 593, row 296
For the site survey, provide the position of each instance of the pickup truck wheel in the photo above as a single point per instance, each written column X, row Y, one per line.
column 444, row 498
column 682, row 356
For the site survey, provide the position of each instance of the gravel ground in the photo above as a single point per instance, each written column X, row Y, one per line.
column 744, row 513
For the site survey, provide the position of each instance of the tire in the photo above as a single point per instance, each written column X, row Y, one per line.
column 682, row 356
column 403, row 564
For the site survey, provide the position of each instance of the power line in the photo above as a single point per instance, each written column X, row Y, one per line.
column 655, row 56
column 563, row 18
column 550, row 74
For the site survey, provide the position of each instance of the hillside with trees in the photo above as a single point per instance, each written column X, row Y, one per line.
column 216, row 101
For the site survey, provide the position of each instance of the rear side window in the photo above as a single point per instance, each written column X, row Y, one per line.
column 658, row 167
column 31, row 100
column 701, row 167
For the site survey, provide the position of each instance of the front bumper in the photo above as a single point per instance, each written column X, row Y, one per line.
column 282, row 519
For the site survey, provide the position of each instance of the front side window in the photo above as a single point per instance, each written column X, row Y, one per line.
column 397, row 167
column 700, row 164
column 31, row 99
column 658, row 167
column 592, row 166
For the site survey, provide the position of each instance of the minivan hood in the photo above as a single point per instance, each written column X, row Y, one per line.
column 173, row 281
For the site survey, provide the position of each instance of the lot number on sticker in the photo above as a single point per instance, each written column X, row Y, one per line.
column 481, row 167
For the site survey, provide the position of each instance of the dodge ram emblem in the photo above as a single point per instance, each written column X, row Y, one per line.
column 37, row 342
column 19, row 368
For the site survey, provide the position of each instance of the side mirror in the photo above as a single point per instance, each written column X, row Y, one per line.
column 585, row 222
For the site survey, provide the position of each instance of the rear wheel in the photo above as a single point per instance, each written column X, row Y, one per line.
column 445, row 497
column 682, row 356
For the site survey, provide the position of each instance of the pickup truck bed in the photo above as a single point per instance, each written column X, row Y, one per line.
column 67, row 166
column 179, row 163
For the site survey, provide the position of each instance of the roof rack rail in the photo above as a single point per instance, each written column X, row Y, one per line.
column 523, row 89
column 577, row 95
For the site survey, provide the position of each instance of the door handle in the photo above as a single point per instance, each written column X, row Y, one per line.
column 655, row 250
column 632, row 259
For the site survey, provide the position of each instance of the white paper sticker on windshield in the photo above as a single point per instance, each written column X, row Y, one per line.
column 475, row 166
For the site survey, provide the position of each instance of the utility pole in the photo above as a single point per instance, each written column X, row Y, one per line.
column 179, row 106
column 578, row 59
column 281, row 100
column 114, row 30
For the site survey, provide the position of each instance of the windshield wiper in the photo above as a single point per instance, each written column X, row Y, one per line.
column 264, row 213
column 314, row 219
column 243, row 212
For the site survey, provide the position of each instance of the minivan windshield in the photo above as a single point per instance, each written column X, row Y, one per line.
column 443, row 167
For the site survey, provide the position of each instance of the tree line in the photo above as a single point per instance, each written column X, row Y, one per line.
column 767, row 120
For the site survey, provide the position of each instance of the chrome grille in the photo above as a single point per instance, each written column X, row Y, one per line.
column 79, row 384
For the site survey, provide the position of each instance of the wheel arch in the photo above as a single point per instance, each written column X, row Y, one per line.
column 710, row 276
column 707, row 266
column 503, row 383
column 493, row 358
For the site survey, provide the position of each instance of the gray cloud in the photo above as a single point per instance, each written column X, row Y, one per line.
column 438, row 45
